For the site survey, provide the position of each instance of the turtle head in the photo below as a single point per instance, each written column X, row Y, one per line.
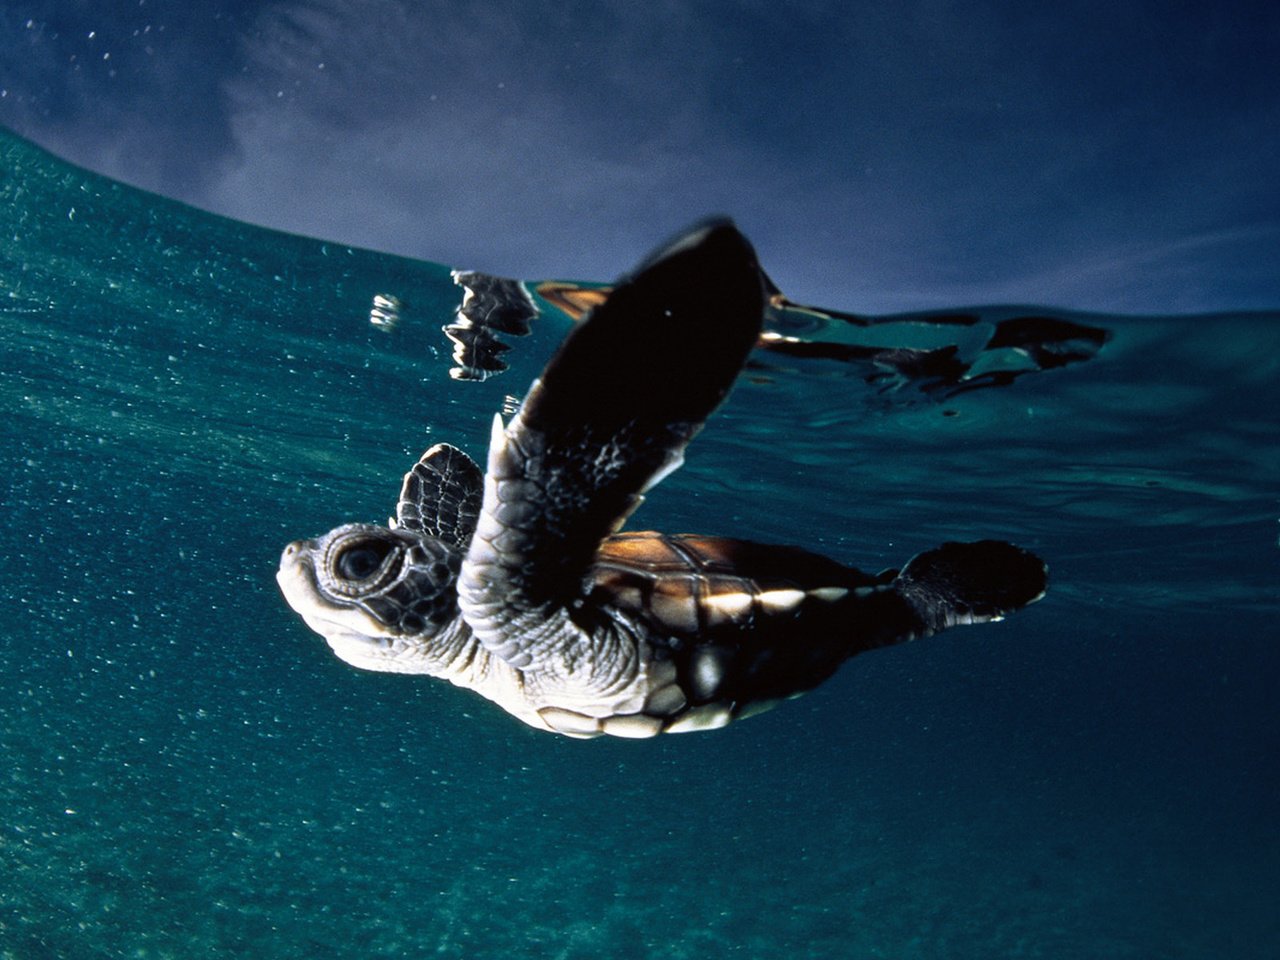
column 378, row 596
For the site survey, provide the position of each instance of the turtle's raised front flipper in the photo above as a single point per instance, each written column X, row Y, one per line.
column 608, row 418
column 441, row 496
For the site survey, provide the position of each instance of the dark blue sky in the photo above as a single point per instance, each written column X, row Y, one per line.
column 1100, row 155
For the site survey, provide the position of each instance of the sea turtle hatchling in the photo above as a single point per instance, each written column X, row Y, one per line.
column 516, row 584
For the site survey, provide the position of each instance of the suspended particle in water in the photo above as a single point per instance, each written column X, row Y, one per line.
column 385, row 313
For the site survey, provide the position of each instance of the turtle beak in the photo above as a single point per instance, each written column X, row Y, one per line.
column 295, row 576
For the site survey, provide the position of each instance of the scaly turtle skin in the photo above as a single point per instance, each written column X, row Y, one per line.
column 515, row 583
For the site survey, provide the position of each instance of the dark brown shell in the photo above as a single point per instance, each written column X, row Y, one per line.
column 691, row 585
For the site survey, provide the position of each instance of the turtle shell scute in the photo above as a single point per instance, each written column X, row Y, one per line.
column 688, row 585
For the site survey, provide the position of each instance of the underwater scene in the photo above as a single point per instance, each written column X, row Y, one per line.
column 190, row 772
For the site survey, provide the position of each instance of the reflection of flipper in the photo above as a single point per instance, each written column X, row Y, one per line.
column 609, row 417
column 490, row 306
column 573, row 299
column 1017, row 346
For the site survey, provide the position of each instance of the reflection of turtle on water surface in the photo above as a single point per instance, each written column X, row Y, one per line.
column 516, row 583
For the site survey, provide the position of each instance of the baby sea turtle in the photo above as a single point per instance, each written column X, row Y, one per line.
column 516, row 584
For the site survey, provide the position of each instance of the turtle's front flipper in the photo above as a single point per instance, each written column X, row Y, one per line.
column 440, row 496
column 609, row 417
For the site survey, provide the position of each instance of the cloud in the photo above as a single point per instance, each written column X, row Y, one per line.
column 476, row 136
column 881, row 158
column 124, row 88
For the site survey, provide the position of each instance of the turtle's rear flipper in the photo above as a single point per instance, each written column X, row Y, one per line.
column 783, row 637
column 970, row 583
column 609, row 417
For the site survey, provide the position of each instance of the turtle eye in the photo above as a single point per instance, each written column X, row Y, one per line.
column 361, row 560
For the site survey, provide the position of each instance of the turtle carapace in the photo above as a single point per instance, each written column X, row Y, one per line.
column 514, row 581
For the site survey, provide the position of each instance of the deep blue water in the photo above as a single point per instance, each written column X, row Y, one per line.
column 189, row 772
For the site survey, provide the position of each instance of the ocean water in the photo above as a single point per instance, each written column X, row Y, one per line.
column 188, row 772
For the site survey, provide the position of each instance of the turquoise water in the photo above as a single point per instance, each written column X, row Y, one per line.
column 189, row 772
